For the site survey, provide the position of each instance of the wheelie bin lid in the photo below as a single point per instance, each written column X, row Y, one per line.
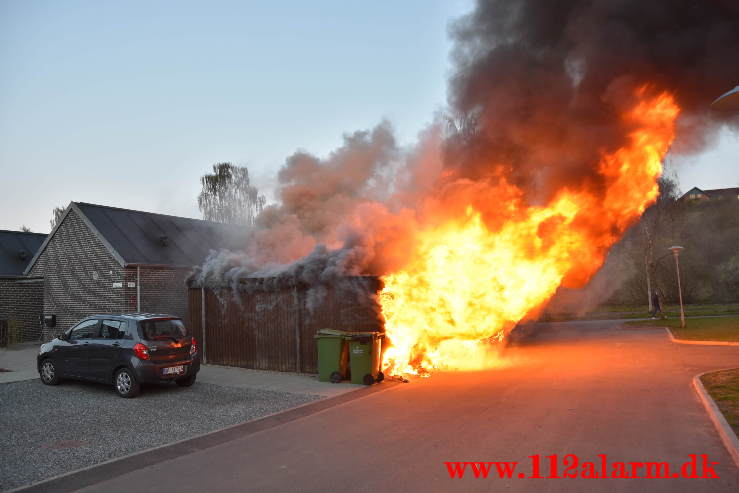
column 331, row 332
column 365, row 334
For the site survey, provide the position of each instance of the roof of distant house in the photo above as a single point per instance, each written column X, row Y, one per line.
column 146, row 238
column 715, row 193
column 17, row 248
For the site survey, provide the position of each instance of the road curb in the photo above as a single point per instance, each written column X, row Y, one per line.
column 731, row 442
column 119, row 466
column 17, row 376
column 699, row 343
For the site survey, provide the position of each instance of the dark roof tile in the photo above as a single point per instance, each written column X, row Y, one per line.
column 16, row 251
column 138, row 236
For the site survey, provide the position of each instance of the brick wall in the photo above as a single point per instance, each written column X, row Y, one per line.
column 79, row 273
column 21, row 304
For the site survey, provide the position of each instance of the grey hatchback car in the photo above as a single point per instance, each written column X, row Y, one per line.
column 125, row 350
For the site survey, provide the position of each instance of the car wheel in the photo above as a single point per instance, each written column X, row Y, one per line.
column 186, row 381
column 125, row 383
column 48, row 372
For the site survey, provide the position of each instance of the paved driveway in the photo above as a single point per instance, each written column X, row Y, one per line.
column 584, row 389
column 47, row 431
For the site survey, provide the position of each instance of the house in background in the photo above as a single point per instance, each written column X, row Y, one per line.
column 695, row 194
column 21, row 297
column 102, row 259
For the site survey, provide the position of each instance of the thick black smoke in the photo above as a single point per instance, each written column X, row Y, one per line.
column 540, row 86
column 537, row 96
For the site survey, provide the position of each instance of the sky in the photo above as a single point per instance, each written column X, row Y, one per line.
column 127, row 104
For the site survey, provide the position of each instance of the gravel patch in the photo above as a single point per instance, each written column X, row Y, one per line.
column 47, row 431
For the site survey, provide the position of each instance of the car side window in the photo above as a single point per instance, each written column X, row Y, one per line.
column 85, row 330
column 127, row 329
column 112, row 329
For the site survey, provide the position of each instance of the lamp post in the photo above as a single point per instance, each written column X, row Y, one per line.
column 676, row 253
column 728, row 101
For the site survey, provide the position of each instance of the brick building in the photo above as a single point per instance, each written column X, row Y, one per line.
column 104, row 259
column 21, row 297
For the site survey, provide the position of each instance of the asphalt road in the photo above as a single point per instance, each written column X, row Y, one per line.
column 584, row 389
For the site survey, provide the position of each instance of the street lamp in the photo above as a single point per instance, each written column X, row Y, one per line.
column 676, row 252
column 729, row 101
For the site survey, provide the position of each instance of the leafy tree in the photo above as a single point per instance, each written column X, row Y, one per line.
column 228, row 196
column 708, row 265
column 56, row 217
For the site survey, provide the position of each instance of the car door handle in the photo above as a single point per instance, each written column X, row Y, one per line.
column 116, row 344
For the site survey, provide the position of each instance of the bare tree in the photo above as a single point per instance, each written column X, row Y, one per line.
column 656, row 228
column 26, row 229
column 56, row 217
column 228, row 196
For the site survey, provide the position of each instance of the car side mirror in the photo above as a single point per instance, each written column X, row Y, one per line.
column 64, row 336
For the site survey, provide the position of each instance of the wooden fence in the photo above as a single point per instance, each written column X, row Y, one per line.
column 273, row 328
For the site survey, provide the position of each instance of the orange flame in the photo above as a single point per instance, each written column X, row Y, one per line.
column 469, row 282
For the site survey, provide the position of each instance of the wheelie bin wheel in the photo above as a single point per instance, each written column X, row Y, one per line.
column 368, row 379
column 380, row 376
column 335, row 377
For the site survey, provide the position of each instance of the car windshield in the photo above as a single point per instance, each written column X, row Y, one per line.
column 162, row 329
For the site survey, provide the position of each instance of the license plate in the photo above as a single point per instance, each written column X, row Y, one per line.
column 173, row 370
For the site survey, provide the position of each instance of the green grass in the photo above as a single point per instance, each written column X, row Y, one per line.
column 642, row 311
column 699, row 310
column 723, row 386
column 698, row 329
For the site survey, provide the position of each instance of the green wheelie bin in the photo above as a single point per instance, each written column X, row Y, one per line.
column 365, row 349
column 333, row 355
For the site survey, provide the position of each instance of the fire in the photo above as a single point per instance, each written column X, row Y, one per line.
column 470, row 280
